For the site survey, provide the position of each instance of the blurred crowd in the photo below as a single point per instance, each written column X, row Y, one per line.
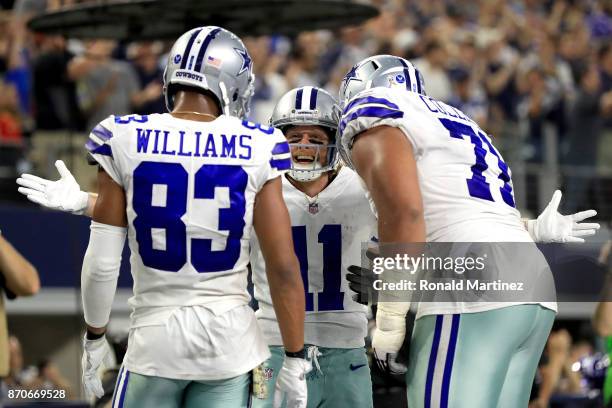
column 535, row 74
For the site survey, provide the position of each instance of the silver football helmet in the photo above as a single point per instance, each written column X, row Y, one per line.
column 212, row 59
column 386, row 71
column 309, row 106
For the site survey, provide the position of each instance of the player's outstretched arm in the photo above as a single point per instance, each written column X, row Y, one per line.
column 99, row 277
column 64, row 194
column 273, row 228
column 552, row 226
column 384, row 159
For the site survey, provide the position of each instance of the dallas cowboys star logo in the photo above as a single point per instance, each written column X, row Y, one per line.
column 246, row 60
column 352, row 74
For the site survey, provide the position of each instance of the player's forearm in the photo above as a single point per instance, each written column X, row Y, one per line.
column 100, row 272
column 401, row 225
column 287, row 292
column 20, row 275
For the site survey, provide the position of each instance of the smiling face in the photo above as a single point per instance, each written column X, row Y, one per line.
column 305, row 156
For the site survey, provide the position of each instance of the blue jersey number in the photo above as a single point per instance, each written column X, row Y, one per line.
column 154, row 218
column 330, row 236
column 124, row 120
column 477, row 185
column 268, row 130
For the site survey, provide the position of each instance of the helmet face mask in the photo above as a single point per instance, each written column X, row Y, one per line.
column 215, row 60
column 310, row 160
column 309, row 107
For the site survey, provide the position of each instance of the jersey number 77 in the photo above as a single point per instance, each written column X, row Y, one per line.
column 478, row 186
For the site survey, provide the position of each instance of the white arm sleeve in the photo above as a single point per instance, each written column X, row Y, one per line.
column 100, row 272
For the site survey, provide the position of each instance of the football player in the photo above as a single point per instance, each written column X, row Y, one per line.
column 186, row 187
column 435, row 176
column 319, row 195
column 330, row 219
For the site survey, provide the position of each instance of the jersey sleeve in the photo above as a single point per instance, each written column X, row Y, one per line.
column 280, row 157
column 100, row 147
column 369, row 109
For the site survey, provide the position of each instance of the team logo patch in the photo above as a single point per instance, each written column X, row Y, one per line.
column 313, row 208
column 177, row 58
column 246, row 60
column 268, row 373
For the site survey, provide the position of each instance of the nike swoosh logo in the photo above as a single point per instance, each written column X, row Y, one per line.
column 356, row 367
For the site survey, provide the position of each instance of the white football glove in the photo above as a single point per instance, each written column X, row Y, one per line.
column 388, row 336
column 64, row 194
column 551, row 226
column 390, row 330
column 95, row 353
column 291, row 383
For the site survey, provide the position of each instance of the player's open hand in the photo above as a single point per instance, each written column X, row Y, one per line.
column 64, row 194
column 551, row 226
column 291, row 383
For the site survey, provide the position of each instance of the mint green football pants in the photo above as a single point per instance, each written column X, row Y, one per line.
column 477, row 360
column 142, row 391
column 341, row 380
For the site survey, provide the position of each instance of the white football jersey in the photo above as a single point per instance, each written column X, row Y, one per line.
column 328, row 233
column 466, row 186
column 190, row 188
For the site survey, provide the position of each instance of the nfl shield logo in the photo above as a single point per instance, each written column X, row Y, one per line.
column 268, row 372
column 313, row 208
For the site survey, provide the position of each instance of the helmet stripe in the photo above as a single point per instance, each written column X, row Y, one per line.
column 298, row 98
column 407, row 75
column 207, row 40
column 188, row 48
column 418, row 81
column 313, row 98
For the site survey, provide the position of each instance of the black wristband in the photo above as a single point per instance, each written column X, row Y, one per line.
column 296, row 354
column 93, row 336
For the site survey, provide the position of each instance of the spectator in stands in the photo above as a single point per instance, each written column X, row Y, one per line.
column 584, row 137
column 106, row 86
column 48, row 377
column 501, row 62
column 55, row 100
column 17, row 278
column 269, row 83
column 542, row 100
column 469, row 97
column 433, row 68
column 44, row 377
column 303, row 64
column 145, row 59
column 10, row 119
column 605, row 146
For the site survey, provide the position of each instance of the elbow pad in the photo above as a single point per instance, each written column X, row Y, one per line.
column 100, row 272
